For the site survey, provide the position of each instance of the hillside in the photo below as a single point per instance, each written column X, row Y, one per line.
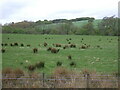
column 77, row 23
column 78, row 26
column 81, row 23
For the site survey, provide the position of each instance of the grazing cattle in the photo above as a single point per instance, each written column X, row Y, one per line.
column 11, row 44
column 66, row 46
column 58, row 45
column 49, row 49
column 22, row 45
column 31, row 67
column 2, row 44
column 98, row 46
column 67, row 39
column 40, row 65
column 82, row 39
column 15, row 44
column 83, row 47
column 35, row 50
column 69, row 57
column 70, row 39
column 53, row 50
column 69, row 42
column 59, row 63
column 5, row 44
column 88, row 46
column 72, row 45
column 72, row 64
column 45, row 44
column 3, row 50
column 28, row 45
column 8, row 38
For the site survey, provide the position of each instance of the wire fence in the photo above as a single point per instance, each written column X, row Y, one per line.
column 59, row 81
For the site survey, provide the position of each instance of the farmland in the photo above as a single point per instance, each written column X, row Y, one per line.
column 101, row 59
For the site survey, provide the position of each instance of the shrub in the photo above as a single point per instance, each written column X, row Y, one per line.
column 61, row 71
column 7, row 71
column 18, row 73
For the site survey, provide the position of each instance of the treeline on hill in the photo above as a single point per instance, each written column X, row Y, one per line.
column 107, row 26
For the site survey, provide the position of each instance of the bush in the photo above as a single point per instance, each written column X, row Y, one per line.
column 61, row 71
column 18, row 73
column 7, row 71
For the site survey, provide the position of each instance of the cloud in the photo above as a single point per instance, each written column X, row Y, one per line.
column 9, row 8
column 32, row 10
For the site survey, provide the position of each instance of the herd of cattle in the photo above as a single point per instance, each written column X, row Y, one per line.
column 52, row 49
column 55, row 48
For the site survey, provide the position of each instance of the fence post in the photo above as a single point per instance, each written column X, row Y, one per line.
column 87, row 80
column 43, row 79
column 87, row 76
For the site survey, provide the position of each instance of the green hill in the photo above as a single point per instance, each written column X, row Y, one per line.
column 77, row 23
column 81, row 23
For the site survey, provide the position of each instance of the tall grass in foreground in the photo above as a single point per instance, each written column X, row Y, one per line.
column 61, row 78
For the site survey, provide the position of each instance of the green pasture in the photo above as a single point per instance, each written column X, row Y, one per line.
column 103, row 59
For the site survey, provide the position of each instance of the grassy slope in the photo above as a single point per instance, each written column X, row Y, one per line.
column 81, row 23
column 84, row 58
column 78, row 24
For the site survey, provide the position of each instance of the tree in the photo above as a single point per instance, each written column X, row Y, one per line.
column 108, row 26
column 88, row 28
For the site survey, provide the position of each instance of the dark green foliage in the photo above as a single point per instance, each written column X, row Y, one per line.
column 107, row 26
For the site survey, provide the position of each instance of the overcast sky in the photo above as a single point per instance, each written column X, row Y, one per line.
column 33, row 10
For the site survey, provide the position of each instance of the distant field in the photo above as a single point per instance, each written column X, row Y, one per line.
column 101, row 59
column 81, row 23
column 77, row 23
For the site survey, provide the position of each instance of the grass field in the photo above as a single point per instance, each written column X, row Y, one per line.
column 103, row 59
